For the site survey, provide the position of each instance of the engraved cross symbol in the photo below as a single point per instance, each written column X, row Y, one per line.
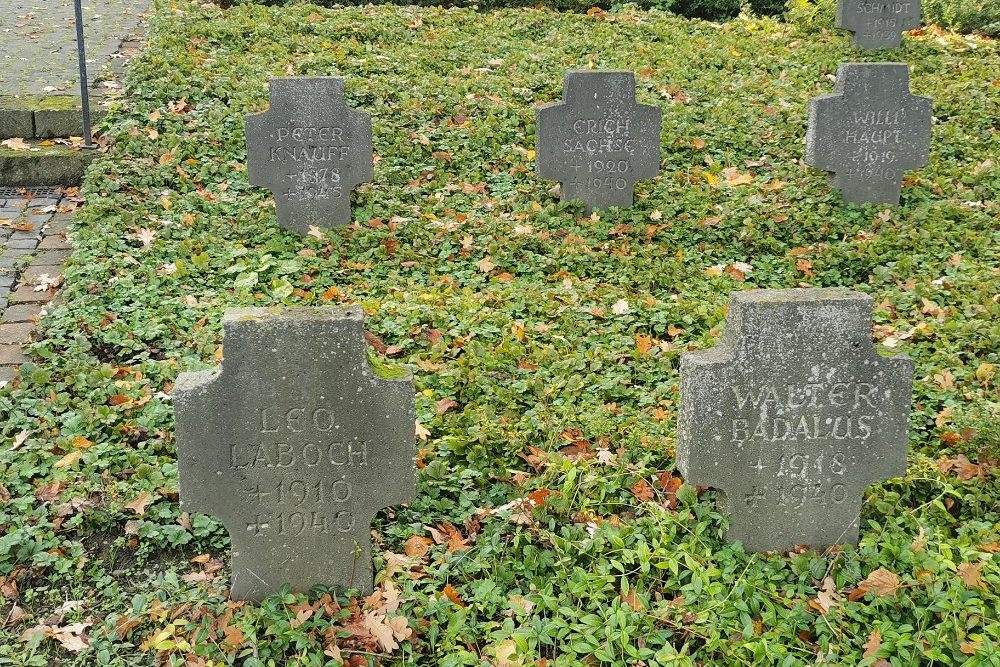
column 792, row 415
column 598, row 142
column 869, row 131
column 295, row 445
column 755, row 496
column 310, row 150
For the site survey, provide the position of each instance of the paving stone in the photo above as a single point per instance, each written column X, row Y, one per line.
column 51, row 258
column 22, row 243
column 7, row 374
column 15, row 333
column 10, row 251
column 16, row 123
column 58, row 224
column 311, row 150
column 26, row 234
column 44, row 168
column 33, row 272
column 22, row 312
column 11, row 355
column 27, row 294
column 54, row 242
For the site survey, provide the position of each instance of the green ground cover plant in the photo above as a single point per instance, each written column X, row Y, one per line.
column 549, row 526
column 705, row 9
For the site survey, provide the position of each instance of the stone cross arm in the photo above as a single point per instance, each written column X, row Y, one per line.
column 878, row 24
column 295, row 445
column 597, row 141
column 869, row 131
column 792, row 415
column 311, row 150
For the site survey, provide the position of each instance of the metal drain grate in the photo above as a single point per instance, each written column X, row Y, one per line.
column 8, row 192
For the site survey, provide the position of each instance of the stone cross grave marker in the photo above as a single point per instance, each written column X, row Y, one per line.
column 792, row 415
column 311, row 150
column 295, row 445
column 869, row 131
column 598, row 142
column 878, row 24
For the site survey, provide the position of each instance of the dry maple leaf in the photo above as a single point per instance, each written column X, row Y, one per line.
column 73, row 637
column 417, row 546
column 486, row 264
column 68, row 460
column 642, row 490
column 643, row 343
column 20, row 439
column 444, row 405
column 421, row 430
column 632, row 600
column 970, row 574
column 449, row 592
column 16, row 144
column 873, row 644
column 145, row 236
column 881, row 581
column 826, row 598
column 620, row 307
column 734, row 177
column 140, row 503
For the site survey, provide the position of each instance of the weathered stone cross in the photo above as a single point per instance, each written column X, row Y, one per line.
column 598, row 142
column 311, row 150
column 878, row 24
column 869, row 131
column 295, row 445
column 792, row 415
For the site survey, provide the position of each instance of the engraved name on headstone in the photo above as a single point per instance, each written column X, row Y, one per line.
column 295, row 445
column 869, row 131
column 792, row 415
column 878, row 24
column 310, row 150
column 598, row 142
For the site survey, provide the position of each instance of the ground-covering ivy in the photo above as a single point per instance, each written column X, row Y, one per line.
column 544, row 344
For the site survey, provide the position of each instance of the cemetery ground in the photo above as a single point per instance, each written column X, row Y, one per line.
column 549, row 525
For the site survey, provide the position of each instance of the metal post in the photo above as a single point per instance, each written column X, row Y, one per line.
column 81, row 52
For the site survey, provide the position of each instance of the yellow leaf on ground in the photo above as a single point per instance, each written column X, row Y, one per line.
column 16, row 144
column 68, row 460
column 734, row 177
